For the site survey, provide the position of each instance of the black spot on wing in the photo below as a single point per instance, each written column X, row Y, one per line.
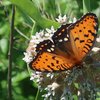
column 81, row 41
column 93, row 34
column 86, row 48
column 84, row 51
column 53, row 57
column 76, row 39
column 80, row 30
column 46, row 59
column 52, row 64
column 86, row 35
column 89, row 41
column 84, row 27
column 57, row 61
column 88, row 45
column 63, row 66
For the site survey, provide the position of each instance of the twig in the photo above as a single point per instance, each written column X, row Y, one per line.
column 10, row 55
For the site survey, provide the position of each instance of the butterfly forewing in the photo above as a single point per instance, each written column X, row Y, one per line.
column 83, row 34
column 49, row 59
column 60, row 35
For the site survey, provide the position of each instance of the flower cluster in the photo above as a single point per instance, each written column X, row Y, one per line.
column 39, row 36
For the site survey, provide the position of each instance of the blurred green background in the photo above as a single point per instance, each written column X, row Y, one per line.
column 31, row 16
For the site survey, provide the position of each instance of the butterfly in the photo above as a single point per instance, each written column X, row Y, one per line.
column 70, row 44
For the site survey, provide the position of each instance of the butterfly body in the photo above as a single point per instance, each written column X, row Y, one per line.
column 69, row 46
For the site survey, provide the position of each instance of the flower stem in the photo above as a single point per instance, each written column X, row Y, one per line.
column 10, row 55
column 36, row 98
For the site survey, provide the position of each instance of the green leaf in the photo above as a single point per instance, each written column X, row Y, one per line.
column 50, row 7
column 86, row 6
column 76, row 85
column 29, row 8
column 6, row 2
column 4, row 45
column 75, row 97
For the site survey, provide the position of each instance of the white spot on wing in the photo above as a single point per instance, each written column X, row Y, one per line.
column 67, row 35
column 65, row 39
column 52, row 49
column 53, row 46
column 60, row 40
column 48, row 50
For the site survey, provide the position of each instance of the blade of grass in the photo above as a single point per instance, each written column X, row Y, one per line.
column 50, row 7
column 36, row 98
column 22, row 34
column 86, row 6
column 26, row 6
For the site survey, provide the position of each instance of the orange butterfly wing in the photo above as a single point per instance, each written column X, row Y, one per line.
column 50, row 62
column 49, row 59
column 83, row 35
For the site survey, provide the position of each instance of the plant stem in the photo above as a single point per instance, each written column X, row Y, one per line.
column 36, row 98
column 10, row 54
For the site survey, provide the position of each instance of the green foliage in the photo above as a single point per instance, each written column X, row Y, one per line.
column 35, row 14
column 31, row 16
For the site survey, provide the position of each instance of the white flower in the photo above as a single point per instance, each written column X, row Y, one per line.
column 95, row 49
column 35, row 75
column 42, row 35
column 46, row 95
column 62, row 20
column 78, row 93
column 50, row 31
column 98, row 39
column 39, row 36
column 51, row 75
column 28, row 57
column 63, row 98
column 73, row 20
column 53, row 86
